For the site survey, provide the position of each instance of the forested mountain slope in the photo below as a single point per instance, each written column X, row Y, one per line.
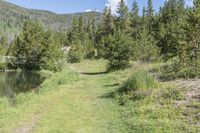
column 12, row 17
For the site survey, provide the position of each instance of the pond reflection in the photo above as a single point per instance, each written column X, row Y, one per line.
column 12, row 83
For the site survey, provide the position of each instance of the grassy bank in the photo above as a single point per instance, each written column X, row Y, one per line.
column 129, row 100
column 27, row 105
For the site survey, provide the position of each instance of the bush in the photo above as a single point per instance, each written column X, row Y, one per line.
column 2, row 66
column 177, row 70
column 76, row 53
column 139, row 81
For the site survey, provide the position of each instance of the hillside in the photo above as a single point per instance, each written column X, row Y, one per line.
column 12, row 16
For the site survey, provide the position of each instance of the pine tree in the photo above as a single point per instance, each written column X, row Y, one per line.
column 144, row 23
column 172, row 21
column 76, row 53
column 51, row 56
column 74, row 30
column 3, row 45
column 90, row 39
column 135, row 20
column 118, row 50
column 123, row 16
column 146, row 49
column 35, row 49
column 108, row 26
column 80, row 27
column 150, row 10
column 105, row 28
column 189, row 50
column 150, row 16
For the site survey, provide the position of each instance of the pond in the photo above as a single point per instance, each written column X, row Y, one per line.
column 12, row 83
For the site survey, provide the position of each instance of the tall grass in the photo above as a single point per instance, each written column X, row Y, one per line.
column 140, row 80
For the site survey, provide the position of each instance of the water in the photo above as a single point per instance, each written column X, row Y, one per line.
column 12, row 83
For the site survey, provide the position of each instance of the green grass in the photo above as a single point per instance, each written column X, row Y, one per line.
column 28, row 104
column 139, row 80
column 84, row 103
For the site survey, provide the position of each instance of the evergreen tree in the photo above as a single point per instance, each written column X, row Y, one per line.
column 74, row 30
column 3, row 45
column 76, row 38
column 171, row 28
column 51, row 57
column 118, row 50
column 123, row 16
column 90, row 39
column 146, row 49
column 150, row 16
column 189, row 51
column 105, row 28
column 76, row 53
column 35, row 49
column 135, row 20
column 150, row 10
column 80, row 27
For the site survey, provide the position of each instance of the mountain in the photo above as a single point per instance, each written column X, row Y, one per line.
column 12, row 17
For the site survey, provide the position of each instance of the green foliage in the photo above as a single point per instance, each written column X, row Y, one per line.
column 82, row 39
column 105, row 28
column 76, row 53
column 138, row 81
column 135, row 19
column 89, row 49
column 35, row 49
column 13, row 16
column 122, row 21
column 2, row 65
column 171, row 32
column 170, row 93
column 146, row 49
column 51, row 56
column 187, row 64
column 118, row 50
column 3, row 45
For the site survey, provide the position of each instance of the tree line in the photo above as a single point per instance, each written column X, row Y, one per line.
column 172, row 34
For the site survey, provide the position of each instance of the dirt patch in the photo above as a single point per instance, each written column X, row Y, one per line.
column 88, row 98
column 28, row 126
column 191, row 101
column 192, row 90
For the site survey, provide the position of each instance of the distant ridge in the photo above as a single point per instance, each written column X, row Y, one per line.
column 12, row 17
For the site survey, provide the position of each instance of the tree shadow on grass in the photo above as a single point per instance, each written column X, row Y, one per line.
column 109, row 95
column 111, row 85
column 112, row 93
column 94, row 73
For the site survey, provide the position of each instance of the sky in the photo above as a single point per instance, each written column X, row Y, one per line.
column 73, row 6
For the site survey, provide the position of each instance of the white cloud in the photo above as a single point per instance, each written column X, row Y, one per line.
column 113, row 5
column 88, row 10
column 189, row 2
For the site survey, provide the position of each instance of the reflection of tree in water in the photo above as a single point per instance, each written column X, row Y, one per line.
column 16, row 82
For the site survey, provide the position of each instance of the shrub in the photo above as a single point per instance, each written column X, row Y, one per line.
column 76, row 53
column 176, row 71
column 139, row 80
column 2, row 65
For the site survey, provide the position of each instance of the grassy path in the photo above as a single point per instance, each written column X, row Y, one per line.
column 80, row 107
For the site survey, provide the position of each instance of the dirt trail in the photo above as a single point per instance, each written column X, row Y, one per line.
column 29, row 126
column 192, row 89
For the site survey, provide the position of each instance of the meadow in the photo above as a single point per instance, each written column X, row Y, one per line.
column 84, row 98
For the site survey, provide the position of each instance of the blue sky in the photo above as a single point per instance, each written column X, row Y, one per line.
column 71, row 6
